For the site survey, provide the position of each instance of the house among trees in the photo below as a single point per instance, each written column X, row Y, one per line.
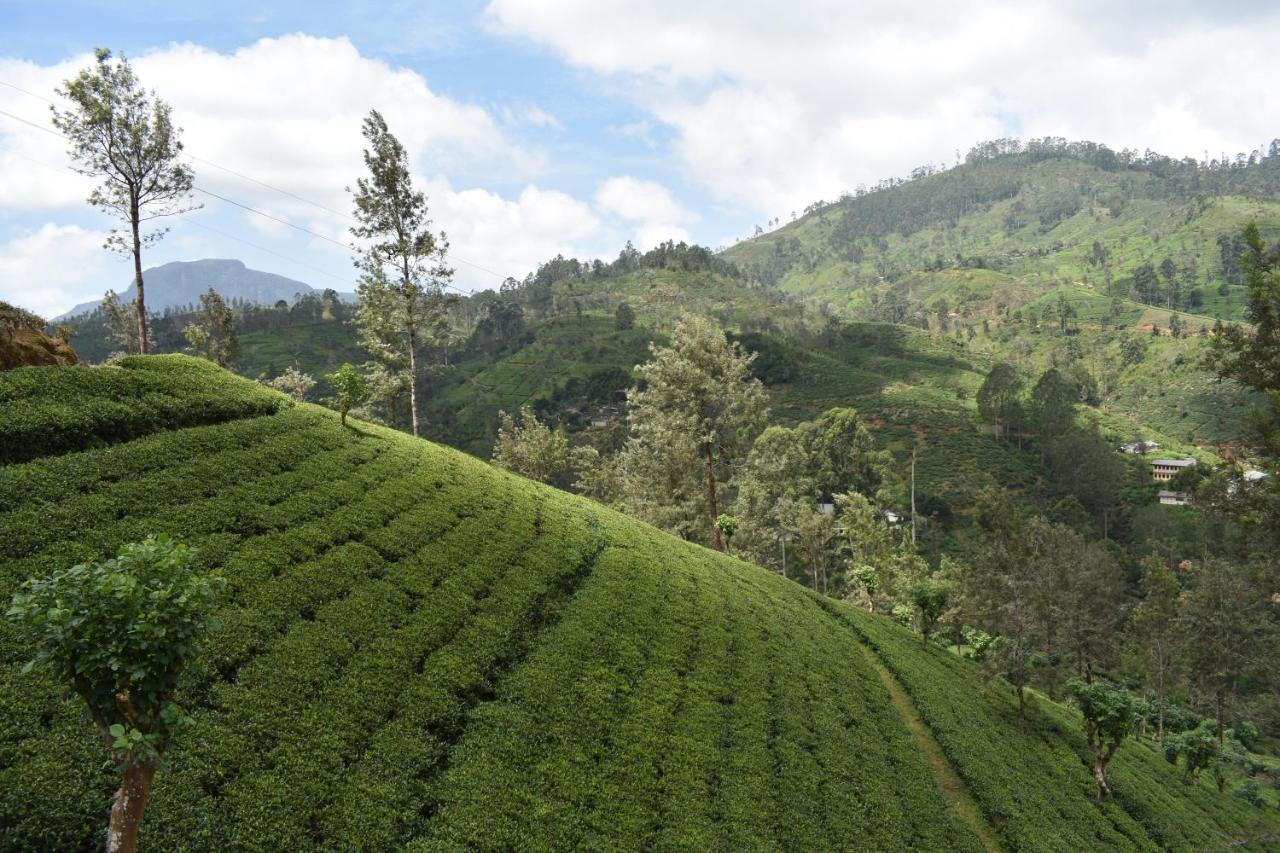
column 1164, row 470
column 1168, row 498
column 1139, row 447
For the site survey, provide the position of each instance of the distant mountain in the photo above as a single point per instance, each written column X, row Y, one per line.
column 181, row 283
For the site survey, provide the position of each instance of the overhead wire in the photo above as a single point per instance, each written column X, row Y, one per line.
column 250, row 209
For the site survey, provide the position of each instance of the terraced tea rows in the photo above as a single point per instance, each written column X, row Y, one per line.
column 419, row 650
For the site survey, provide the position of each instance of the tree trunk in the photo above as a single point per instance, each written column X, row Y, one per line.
column 1100, row 773
column 413, row 379
column 1218, row 702
column 143, row 345
column 1022, row 709
column 711, row 501
column 126, row 811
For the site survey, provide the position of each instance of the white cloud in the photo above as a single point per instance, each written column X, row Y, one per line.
column 511, row 237
column 49, row 269
column 773, row 108
column 648, row 207
column 287, row 112
column 531, row 115
column 635, row 199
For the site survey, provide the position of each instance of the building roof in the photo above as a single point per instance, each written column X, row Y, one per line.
column 1174, row 463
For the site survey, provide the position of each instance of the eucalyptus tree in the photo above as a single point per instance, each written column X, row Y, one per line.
column 699, row 410
column 123, row 134
column 402, row 265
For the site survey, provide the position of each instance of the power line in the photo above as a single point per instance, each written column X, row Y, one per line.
column 253, row 180
column 538, row 365
column 192, row 221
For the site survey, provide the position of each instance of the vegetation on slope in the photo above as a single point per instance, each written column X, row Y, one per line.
column 418, row 648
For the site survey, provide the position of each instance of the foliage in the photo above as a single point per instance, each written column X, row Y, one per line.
column 694, row 417
column 293, row 382
column 625, row 317
column 1230, row 634
column 1109, row 715
column 350, row 389
column 1154, row 636
column 998, row 396
column 529, row 447
column 420, row 650
column 45, row 412
column 403, row 268
column 930, row 598
column 120, row 633
column 124, row 135
column 122, row 329
column 212, row 332
column 1034, row 786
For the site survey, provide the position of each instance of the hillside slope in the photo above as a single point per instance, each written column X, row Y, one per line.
column 420, row 649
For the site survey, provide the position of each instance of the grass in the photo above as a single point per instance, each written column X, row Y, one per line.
column 420, row 650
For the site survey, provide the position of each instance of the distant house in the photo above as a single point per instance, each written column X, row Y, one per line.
column 1254, row 476
column 892, row 518
column 1164, row 470
column 1174, row 498
column 1139, row 447
column 826, row 508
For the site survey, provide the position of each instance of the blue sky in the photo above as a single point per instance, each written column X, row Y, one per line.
column 545, row 126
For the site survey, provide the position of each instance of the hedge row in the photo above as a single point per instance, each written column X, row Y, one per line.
column 419, row 650
column 677, row 704
column 45, row 411
column 1036, row 788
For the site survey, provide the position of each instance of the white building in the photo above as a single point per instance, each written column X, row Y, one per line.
column 1174, row 498
column 1164, row 470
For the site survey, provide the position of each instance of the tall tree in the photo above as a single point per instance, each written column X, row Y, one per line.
column 998, row 398
column 698, row 398
column 122, row 328
column 120, row 634
column 531, row 448
column 124, row 134
column 212, row 330
column 1053, row 401
column 402, row 264
column 1230, row 631
column 1153, row 634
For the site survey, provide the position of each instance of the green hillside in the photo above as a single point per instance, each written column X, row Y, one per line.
column 420, row 650
column 1015, row 221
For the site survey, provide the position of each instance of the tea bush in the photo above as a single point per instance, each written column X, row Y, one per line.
column 420, row 650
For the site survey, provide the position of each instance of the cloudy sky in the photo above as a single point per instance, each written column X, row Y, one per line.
column 546, row 126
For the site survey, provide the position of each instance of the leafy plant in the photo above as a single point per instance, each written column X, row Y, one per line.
column 350, row 389
column 120, row 633
column 1109, row 714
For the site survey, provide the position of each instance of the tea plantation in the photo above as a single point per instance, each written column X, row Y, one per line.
column 418, row 650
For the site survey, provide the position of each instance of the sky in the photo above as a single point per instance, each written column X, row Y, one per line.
column 539, row 127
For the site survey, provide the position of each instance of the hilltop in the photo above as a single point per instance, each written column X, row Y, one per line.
column 418, row 649
column 1016, row 221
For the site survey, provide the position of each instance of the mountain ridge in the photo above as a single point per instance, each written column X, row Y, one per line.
column 180, row 283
